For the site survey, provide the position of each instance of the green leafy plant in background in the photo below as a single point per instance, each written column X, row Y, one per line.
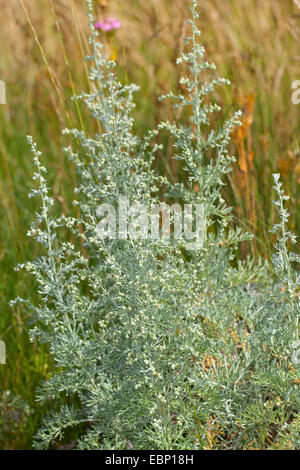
column 157, row 346
column 14, row 414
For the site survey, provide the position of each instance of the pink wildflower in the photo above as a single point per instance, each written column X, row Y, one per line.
column 108, row 24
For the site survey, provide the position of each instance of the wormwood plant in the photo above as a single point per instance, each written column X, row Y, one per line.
column 157, row 346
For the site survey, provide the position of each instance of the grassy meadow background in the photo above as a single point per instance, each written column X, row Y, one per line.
column 254, row 43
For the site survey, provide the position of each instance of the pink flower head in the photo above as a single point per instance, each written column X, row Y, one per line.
column 108, row 24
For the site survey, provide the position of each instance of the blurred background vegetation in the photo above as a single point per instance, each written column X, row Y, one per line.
column 254, row 43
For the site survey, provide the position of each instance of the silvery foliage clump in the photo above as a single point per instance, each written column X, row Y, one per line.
column 156, row 346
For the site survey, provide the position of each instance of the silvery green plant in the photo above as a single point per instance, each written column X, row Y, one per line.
column 283, row 260
column 156, row 346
